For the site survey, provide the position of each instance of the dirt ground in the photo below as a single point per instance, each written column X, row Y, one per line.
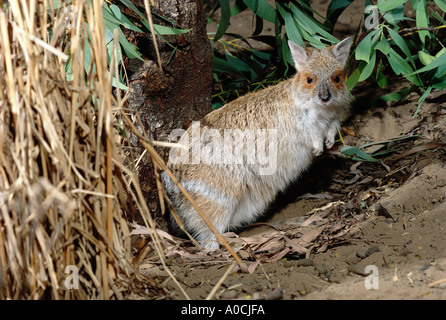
column 390, row 216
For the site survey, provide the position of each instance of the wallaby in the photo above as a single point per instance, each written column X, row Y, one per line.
column 237, row 158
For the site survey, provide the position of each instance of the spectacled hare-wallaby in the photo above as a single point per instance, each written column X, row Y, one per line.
column 237, row 158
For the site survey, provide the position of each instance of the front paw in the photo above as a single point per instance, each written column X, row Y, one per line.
column 329, row 142
column 317, row 151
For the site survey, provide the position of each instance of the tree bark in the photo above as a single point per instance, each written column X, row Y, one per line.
column 181, row 92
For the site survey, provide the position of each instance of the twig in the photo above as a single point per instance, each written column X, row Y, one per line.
column 220, row 282
column 40, row 42
column 409, row 31
column 152, row 30
column 435, row 283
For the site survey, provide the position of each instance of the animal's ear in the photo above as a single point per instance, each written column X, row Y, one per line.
column 299, row 54
column 342, row 49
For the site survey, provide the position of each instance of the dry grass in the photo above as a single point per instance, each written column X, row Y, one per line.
column 65, row 191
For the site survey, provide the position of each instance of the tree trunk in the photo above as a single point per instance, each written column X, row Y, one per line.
column 181, row 92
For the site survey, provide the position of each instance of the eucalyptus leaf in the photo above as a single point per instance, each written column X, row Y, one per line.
column 311, row 25
column 383, row 46
column 335, row 9
column 440, row 60
column 441, row 4
column 352, row 80
column 421, row 99
column 224, row 19
column 364, row 49
column 388, row 5
column 292, row 29
column 367, row 71
column 401, row 44
column 224, row 66
column 262, row 8
column 422, row 20
column 425, row 58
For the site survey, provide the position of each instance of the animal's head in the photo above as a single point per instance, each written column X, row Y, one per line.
column 320, row 73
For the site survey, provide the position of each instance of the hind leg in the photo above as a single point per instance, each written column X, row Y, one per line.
column 218, row 214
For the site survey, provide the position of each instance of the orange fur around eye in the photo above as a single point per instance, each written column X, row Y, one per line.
column 307, row 80
column 337, row 78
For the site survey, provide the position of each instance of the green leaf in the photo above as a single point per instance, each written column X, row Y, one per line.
column 259, row 26
column 367, row 71
column 310, row 25
column 108, row 15
column 388, row 5
column 361, row 155
column 421, row 100
column 400, row 66
column 439, row 53
column 161, row 30
column 441, row 4
column 217, row 105
column 115, row 10
column 397, row 96
column 291, row 27
column 224, row 19
column 262, row 8
column 114, row 15
column 352, row 80
column 440, row 60
column 422, row 20
column 381, row 78
column 314, row 40
column 401, row 44
column 349, row 150
column 437, row 16
column 224, row 66
column 236, row 62
column 425, row 58
column 364, row 49
column 305, row 4
column 394, row 15
column 335, row 9
column 441, row 84
column 383, row 46
column 239, row 6
column 246, row 64
column 130, row 50
column 286, row 54
column 168, row 31
column 364, row 156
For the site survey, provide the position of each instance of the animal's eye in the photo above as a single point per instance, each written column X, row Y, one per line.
column 309, row 80
column 336, row 79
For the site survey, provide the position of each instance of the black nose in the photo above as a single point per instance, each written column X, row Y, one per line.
column 324, row 95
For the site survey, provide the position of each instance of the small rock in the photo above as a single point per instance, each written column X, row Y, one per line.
column 361, row 253
column 305, row 262
column 372, row 249
column 257, row 287
column 231, row 294
column 356, row 269
column 321, row 268
column 404, row 252
column 335, row 277
column 258, row 296
column 351, row 259
column 275, row 294
column 289, row 263
column 390, row 220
